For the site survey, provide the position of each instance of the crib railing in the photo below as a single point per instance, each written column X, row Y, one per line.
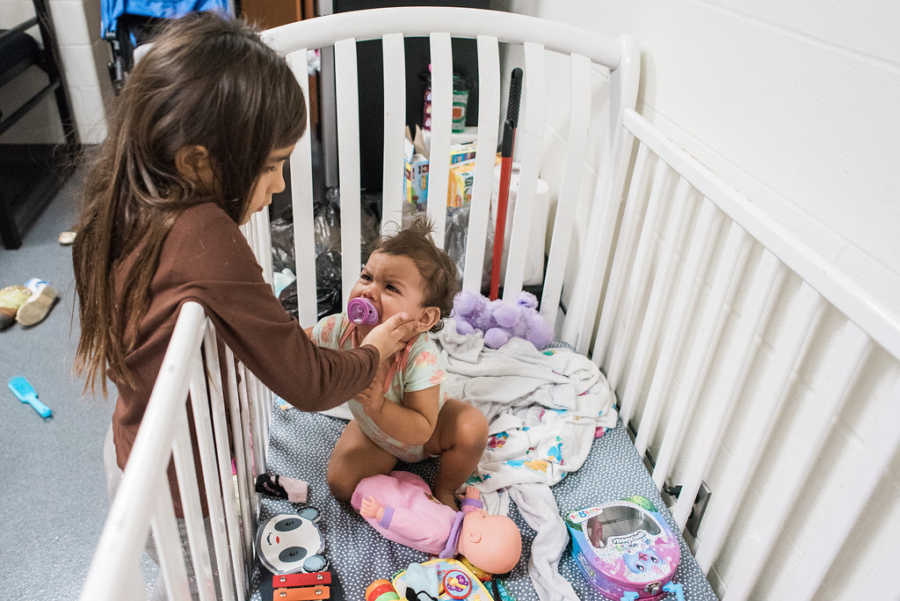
column 735, row 351
column 229, row 459
column 586, row 52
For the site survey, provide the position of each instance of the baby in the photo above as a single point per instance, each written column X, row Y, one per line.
column 403, row 414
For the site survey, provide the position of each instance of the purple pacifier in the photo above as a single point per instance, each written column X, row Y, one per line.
column 362, row 312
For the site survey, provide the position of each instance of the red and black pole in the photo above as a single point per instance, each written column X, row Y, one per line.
column 506, row 154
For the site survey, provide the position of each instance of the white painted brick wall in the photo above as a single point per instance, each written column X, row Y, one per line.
column 794, row 104
column 84, row 56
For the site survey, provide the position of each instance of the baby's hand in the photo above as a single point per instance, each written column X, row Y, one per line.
column 370, row 508
column 372, row 398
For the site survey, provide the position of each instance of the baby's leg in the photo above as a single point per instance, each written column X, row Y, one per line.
column 459, row 438
column 354, row 458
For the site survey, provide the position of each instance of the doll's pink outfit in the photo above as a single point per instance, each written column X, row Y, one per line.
column 412, row 516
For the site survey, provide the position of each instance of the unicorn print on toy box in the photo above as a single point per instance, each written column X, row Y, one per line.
column 624, row 548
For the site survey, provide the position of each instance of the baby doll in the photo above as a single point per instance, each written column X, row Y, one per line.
column 401, row 508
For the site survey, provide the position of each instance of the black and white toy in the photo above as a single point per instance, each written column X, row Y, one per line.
column 290, row 543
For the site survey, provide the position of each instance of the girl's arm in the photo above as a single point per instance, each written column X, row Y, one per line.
column 208, row 260
column 412, row 422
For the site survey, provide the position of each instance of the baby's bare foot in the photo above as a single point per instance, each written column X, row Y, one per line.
column 447, row 498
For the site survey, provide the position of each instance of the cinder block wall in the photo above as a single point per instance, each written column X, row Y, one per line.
column 84, row 56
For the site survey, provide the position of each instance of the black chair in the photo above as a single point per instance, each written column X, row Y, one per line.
column 32, row 174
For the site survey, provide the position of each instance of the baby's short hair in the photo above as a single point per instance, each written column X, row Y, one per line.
column 435, row 266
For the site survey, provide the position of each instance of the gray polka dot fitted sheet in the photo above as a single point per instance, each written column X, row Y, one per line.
column 301, row 443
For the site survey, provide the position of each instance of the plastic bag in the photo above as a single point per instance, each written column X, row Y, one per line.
column 455, row 236
column 282, row 244
column 327, row 223
column 328, row 283
column 328, row 288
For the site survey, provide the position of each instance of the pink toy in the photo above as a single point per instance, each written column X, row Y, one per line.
column 362, row 312
column 501, row 320
column 401, row 508
column 626, row 549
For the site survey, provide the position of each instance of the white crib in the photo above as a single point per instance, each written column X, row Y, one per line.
column 722, row 335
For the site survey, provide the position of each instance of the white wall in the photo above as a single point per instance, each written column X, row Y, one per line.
column 794, row 104
column 84, row 56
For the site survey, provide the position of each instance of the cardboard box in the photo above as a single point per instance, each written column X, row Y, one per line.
column 459, row 192
column 416, row 170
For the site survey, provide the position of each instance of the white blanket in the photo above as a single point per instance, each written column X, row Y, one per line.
column 544, row 410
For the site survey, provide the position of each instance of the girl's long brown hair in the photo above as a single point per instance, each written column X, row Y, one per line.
column 206, row 81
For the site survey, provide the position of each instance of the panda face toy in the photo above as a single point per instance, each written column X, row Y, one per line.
column 290, row 543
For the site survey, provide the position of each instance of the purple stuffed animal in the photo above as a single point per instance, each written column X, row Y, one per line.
column 499, row 321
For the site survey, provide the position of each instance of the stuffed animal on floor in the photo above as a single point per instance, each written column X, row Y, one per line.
column 501, row 320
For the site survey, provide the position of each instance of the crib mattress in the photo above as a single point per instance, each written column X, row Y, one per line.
column 301, row 443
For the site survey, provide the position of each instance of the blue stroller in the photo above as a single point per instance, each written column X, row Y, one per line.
column 126, row 24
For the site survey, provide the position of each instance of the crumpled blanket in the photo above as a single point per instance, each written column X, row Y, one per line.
column 544, row 410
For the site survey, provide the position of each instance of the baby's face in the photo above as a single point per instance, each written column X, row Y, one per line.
column 393, row 284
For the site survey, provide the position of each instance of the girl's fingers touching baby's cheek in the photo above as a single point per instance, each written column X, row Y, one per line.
column 398, row 320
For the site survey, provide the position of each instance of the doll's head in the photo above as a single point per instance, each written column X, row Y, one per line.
column 491, row 543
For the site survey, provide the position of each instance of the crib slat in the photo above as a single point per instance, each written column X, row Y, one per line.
column 259, row 440
column 441, row 123
column 706, row 341
column 249, row 436
column 239, row 450
column 302, row 205
column 881, row 448
column 220, row 432
column 580, row 107
column 247, row 232
column 394, row 132
column 764, row 290
column 628, row 233
column 659, row 297
column 185, row 470
column 529, row 139
column 203, row 427
column 257, row 245
column 636, row 274
column 805, row 315
column 263, row 409
column 346, row 88
column 607, row 200
column 841, row 369
column 690, row 279
column 264, row 243
column 168, row 543
column 488, row 125
column 132, row 579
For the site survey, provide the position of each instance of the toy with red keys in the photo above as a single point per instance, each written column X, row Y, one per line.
column 301, row 587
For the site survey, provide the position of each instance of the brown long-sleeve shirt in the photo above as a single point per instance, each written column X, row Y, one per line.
column 205, row 258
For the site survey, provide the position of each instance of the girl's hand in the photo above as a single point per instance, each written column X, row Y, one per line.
column 391, row 335
column 372, row 398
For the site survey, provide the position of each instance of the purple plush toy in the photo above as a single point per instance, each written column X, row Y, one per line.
column 499, row 321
